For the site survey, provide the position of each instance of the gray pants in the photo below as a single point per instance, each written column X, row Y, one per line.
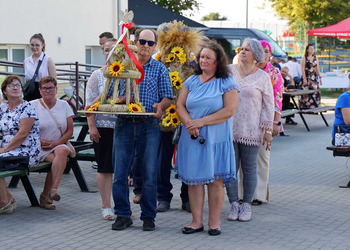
column 246, row 157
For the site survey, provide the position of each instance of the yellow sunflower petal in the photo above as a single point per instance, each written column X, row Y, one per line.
column 182, row 58
column 166, row 121
column 177, row 50
column 174, row 75
column 171, row 110
column 134, row 108
column 170, row 58
column 175, row 121
column 158, row 56
column 177, row 83
column 116, row 68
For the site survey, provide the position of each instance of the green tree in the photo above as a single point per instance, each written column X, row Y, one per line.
column 213, row 16
column 178, row 6
column 311, row 13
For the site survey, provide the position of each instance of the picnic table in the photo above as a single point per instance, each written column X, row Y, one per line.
column 343, row 151
column 312, row 111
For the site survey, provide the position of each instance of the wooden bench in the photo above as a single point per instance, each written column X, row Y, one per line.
column 24, row 177
column 318, row 110
column 289, row 112
column 72, row 163
column 343, row 151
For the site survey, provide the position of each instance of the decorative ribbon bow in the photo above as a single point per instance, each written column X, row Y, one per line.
column 125, row 27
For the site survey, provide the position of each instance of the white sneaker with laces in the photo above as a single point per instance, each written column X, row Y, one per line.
column 245, row 213
column 234, row 212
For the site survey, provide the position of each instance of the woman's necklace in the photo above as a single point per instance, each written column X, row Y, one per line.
column 209, row 79
column 240, row 65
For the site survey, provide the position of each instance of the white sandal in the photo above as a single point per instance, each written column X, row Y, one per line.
column 107, row 213
column 9, row 207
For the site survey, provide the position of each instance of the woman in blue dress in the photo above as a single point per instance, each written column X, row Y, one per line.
column 205, row 152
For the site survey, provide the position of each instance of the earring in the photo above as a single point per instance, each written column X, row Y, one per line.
column 255, row 61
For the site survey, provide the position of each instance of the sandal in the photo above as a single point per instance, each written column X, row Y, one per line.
column 54, row 195
column 256, row 203
column 46, row 202
column 107, row 213
column 9, row 207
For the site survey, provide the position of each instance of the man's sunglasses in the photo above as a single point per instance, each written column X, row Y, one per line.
column 143, row 42
column 201, row 139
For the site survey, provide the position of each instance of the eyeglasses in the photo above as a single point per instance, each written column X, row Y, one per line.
column 34, row 45
column 48, row 89
column 15, row 85
column 201, row 139
column 143, row 42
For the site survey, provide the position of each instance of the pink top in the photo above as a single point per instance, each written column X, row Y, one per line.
column 255, row 107
column 276, row 80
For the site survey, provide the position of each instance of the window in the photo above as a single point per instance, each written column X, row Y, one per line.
column 88, row 58
column 12, row 53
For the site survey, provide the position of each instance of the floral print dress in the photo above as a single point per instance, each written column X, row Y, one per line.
column 306, row 101
column 9, row 126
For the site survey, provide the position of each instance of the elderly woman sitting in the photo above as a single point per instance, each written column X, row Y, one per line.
column 56, row 127
column 19, row 126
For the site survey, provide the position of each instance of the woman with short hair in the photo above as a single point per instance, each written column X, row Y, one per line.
column 19, row 127
column 56, row 128
column 252, row 123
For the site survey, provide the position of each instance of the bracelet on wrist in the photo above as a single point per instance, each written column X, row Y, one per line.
column 278, row 123
column 268, row 132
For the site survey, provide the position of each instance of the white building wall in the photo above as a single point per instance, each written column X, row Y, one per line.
column 77, row 23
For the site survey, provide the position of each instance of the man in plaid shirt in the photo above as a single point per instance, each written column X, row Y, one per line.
column 141, row 134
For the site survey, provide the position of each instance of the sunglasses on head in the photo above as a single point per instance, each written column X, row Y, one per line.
column 201, row 139
column 143, row 42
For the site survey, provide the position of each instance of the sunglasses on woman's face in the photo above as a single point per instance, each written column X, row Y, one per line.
column 143, row 42
column 200, row 138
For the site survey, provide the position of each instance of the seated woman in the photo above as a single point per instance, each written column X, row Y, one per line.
column 56, row 128
column 342, row 111
column 19, row 126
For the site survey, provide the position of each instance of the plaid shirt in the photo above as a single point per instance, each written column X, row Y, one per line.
column 155, row 86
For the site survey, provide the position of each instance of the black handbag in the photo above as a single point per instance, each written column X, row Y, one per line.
column 19, row 162
column 176, row 135
column 29, row 87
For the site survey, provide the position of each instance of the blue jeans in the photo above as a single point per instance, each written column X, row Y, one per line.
column 143, row 136
column 136, row 171
column 246, row 156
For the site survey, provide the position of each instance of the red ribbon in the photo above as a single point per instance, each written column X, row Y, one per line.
column 132, row 56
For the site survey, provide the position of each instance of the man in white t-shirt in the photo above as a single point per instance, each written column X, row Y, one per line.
column 294, row 70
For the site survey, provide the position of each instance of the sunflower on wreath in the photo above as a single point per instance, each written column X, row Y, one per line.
column 134, row 108
column 116, row 68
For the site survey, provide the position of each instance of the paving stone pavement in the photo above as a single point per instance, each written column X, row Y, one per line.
column 307, row 209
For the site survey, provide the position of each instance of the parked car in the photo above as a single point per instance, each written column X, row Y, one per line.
column 230, row 38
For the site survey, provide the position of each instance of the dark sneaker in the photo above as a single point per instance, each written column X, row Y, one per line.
column 163, row 206
column 187, row 207
column 121, row 223
column 148, row 224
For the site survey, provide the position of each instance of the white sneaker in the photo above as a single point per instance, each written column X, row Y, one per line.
column 234, row 212
column 245, row 213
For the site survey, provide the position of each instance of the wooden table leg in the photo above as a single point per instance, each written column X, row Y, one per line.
column 301, row 115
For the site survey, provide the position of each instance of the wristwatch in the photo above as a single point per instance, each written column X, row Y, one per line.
column 278, row 123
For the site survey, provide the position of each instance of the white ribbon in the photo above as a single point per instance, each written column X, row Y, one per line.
column 119, row 40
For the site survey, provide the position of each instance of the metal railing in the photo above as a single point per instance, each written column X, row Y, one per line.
column 66, row 71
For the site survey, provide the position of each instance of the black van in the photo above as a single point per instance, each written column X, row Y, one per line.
column 230, row 38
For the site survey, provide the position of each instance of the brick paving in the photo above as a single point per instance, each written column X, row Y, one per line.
column 307, row 209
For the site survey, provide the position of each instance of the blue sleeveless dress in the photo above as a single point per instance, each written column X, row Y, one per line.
column 203, row 163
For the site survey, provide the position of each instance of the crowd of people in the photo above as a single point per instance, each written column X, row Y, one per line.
column 229, row 115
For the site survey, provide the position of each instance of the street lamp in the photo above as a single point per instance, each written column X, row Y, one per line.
column 246, row 21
